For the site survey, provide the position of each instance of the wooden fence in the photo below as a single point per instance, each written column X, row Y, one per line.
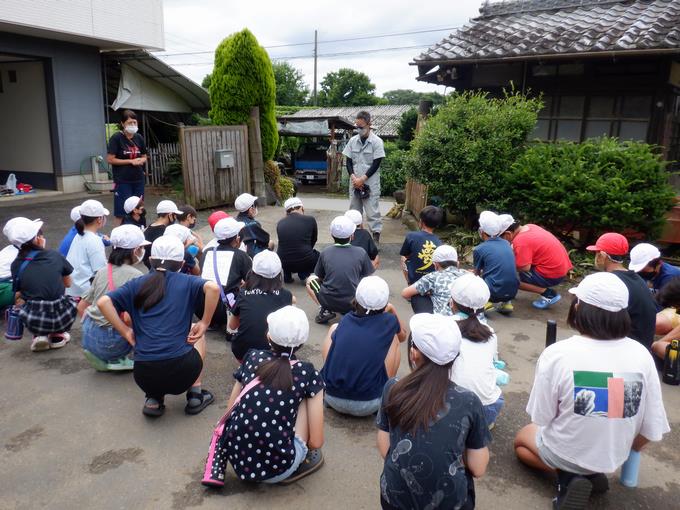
column 159, row 161
column 416, row 196
column 204, row 185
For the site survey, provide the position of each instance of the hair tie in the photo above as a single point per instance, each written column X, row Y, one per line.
column 284, row 355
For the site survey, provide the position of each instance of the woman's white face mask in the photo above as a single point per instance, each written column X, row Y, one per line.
column 131, row 129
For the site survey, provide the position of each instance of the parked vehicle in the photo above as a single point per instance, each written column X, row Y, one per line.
column 310, row 162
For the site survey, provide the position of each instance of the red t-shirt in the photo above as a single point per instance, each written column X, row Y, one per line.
column 541, row 250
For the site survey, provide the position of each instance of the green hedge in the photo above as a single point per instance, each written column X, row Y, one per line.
column 393, row 170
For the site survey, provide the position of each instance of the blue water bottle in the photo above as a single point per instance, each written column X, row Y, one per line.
column 630, row 470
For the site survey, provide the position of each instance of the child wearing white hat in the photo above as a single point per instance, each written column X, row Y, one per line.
column 183, row 233
column 289, row 390
column 261, row 294
column 168, row 348
column 253, row 236
column 362, row 237
column 166, row 214
column 135, row 212
column 66, row 242
column 361, row 352
column 87, row 254
column 424, row 415
column 338, row 272
column 596, row 396
column 103, row 347
column 436, row 285
column 40, row 277
column 297, row 234
column 474, row 369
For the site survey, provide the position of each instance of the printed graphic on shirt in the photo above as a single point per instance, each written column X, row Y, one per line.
column 131, row 151
column 607, row 394
column 426, row 255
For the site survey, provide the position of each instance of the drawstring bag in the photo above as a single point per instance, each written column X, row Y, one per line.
column 15, row 328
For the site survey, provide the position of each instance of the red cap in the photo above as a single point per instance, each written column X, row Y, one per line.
column 215, row 217
column 611, row 243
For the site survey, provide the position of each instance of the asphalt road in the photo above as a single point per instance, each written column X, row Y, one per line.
column 71, row 437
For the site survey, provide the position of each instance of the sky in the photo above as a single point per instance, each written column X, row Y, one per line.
column 196, row 27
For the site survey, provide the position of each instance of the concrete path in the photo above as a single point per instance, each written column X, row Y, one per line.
column 74, row 438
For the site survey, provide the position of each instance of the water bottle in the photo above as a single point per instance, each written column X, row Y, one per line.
column 193, row 250
column 630, row 470
column 550, row 333
column 15, row 328
column 671, row 364
column 499, row 364
column 502, row 378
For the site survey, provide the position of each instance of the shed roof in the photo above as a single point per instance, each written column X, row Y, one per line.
column 384, row 118
column 523, row 29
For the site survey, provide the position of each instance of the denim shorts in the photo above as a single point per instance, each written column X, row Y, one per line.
column 300, row 454
column 492, row 411
column 532, row 277
column 352, row 407
column 554, row 461
column 104, row 342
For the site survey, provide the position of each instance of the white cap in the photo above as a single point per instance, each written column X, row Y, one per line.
column 436, row 336
column 490, row 223
column 355, row 216
column 244, row 202
column 603, row 290
column 179, row 231
column 227, row 228
column 267, row 264
column 342, row 227
column 505, row 221
column 292, row 203
column 641, row 255
column 167, row 207
column 93, row 209
column 128, row 237
column 470, row 291
column 21, row 230
column 75, row 214
column 131, row 204
column 372, row 293
column 445, row 253
column 167, row 248
column 288, row 326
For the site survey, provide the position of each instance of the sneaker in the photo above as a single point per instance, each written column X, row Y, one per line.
column 40, row 343
column 98, row 364
column 600, row 483
column 376, row 237
column 575, row 495
column 59, row 340
column 489, row 306
column 505, row 308
column 324, row 316
column 121, row 365
column 543, row 303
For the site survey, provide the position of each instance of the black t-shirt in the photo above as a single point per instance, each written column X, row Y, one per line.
column 641, row 308
column 252, row 307
column 233, row 267
column 427, row 470
column 129, row 220
column 123, row 148
column 363, row 239
column 42, row 279
column 151, row 234
column 297, row 235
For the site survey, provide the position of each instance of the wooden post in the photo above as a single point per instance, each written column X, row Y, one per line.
column 416, row 193
column 332, row 173
column 257, row 182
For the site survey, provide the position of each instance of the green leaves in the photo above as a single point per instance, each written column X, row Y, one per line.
column 347, row 87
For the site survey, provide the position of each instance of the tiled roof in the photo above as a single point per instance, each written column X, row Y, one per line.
column 551, row 27
column 384, row 118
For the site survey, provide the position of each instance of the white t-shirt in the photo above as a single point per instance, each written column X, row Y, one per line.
column 593, row 397
column 7, row 255
column 87, row 255
column 474, row 369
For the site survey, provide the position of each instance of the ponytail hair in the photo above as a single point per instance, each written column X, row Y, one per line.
column 152, row 290
column 276, row 373
column 470, row 327
column 84, row 220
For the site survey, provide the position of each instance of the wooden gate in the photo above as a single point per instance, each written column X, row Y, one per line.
column 416, row 197
column 160, row 159
column 204, row 185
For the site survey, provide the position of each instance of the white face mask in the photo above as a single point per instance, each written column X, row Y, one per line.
column 131, row 129
column 139, row 255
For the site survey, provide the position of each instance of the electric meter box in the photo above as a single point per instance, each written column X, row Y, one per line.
column 224, row 158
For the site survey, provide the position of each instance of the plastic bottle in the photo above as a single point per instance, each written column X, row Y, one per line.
column 502, row 378
column 630, row 470
column 671, row 364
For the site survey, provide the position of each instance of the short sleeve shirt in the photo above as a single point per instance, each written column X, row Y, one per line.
column 261, row 430
column 341, row 268
column 87, row 255
column 666, row 274
column 418, row 248
column 542, row 251
column 42, row 279
column 123, row 148
column 438, row 285
column 363, row 153
column 233, row 266
column 362, row 239
column 7, row 255
column 495, row 261
column 428, row 466
column 100, row 286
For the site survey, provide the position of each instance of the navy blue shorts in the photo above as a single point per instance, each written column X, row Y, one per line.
column 122, row 191
column 533, row 278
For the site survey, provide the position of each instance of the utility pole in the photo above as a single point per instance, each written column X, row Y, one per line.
column 316, row 52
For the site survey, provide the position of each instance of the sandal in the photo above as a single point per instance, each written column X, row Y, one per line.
column 150, row 410
column 205, row 397
column 313, row 461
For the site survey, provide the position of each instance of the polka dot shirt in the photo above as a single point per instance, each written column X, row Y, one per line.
column 262, row 427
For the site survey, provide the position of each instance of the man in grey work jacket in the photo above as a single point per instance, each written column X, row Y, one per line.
column 364, row 152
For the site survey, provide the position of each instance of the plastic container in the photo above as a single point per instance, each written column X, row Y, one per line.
column 631, row 469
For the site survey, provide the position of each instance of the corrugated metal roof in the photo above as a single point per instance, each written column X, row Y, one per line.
column 384, row 118
column 552, row 27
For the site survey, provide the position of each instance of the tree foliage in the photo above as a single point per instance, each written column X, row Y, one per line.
column 291, row 89
column 463, row 152
column 347, row 87
column 206, row 81
column 408, row 96
column 242, row 78
column 393, row 170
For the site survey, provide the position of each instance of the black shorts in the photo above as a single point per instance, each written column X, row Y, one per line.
column 169, row 376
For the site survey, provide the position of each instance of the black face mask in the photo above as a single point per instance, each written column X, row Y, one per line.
column 192, row 225
column 647, row 275
column 142, row 213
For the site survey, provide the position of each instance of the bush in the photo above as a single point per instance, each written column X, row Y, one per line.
column 463, row 152
column 393, row 171
column 286, row 188
column 595, row 186
column 243, row 78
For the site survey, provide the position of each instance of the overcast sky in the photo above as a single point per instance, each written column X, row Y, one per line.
column 199, row 25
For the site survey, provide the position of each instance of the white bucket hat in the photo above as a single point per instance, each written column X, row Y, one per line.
column 128, row 237
column 288, row 326
column 602, row 290
column 267, row 264
column 470, row 291
column 167, row 248
column 436, row 336
column 641, row 255
column 372, row 293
